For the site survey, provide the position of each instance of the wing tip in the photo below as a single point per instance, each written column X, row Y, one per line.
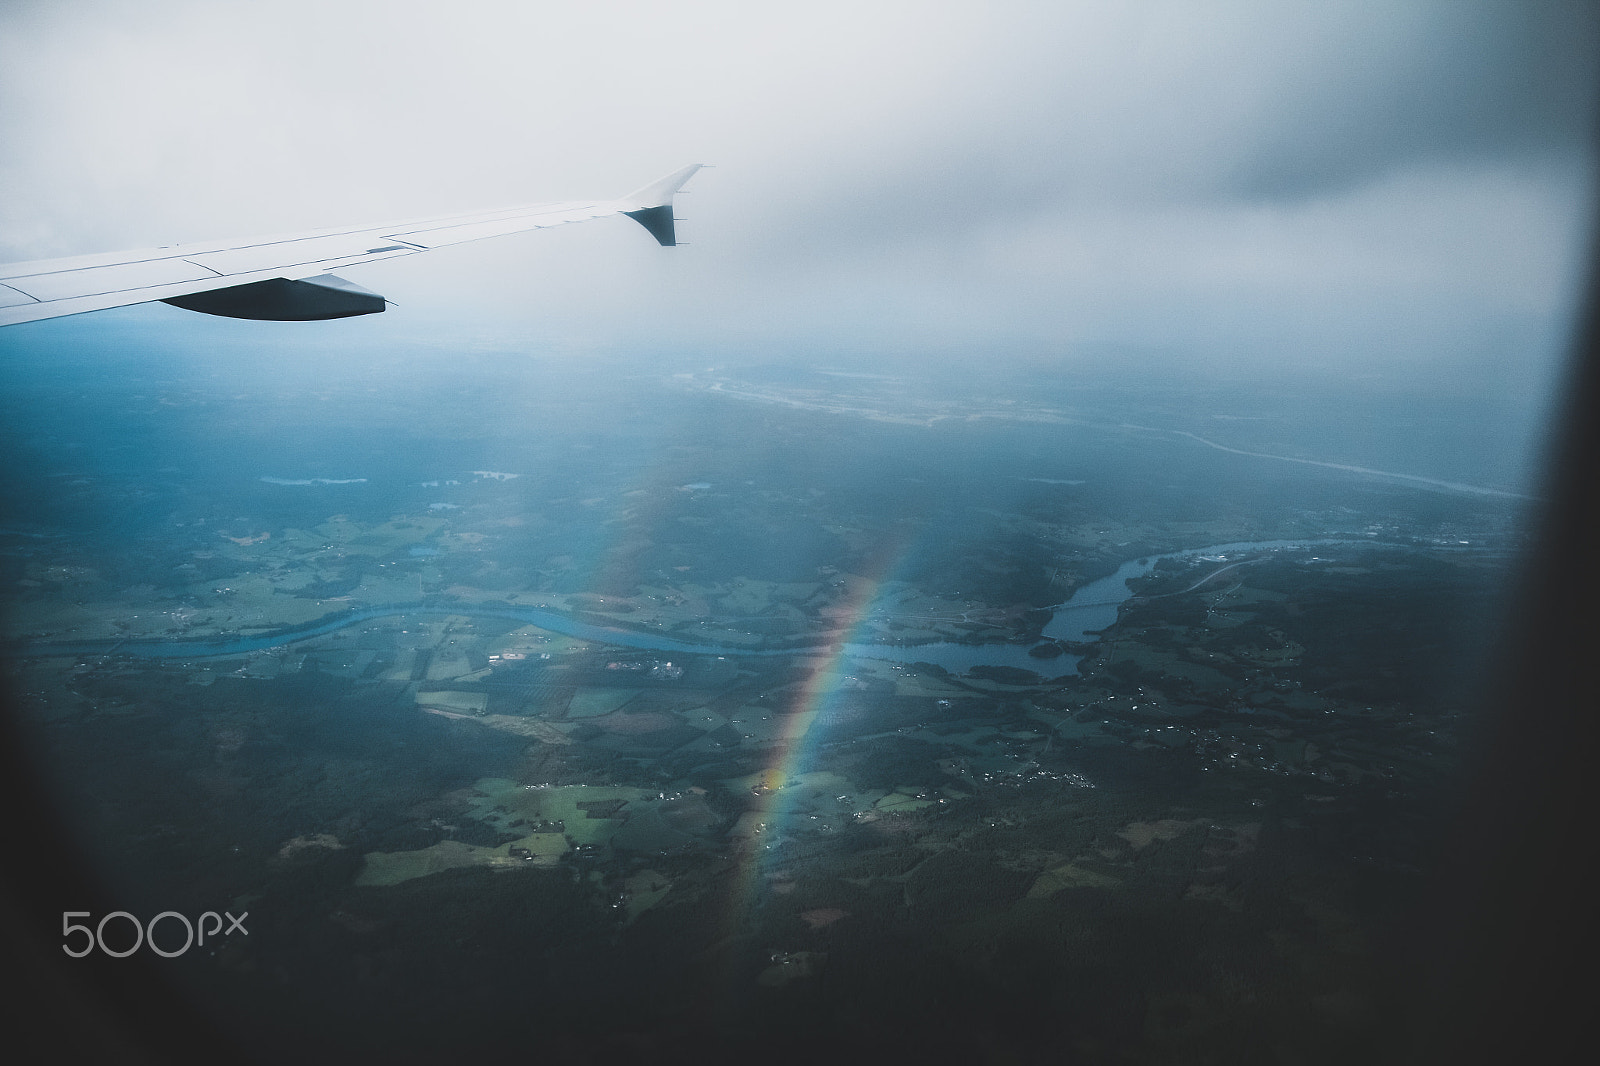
column 659, row 192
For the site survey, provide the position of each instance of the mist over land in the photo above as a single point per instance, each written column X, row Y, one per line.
column 743, row 697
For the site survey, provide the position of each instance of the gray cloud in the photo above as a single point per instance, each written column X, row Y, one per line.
column 1153, row 103
column 1443, row 82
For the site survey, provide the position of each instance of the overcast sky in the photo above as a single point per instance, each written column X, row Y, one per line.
column 1387, row 187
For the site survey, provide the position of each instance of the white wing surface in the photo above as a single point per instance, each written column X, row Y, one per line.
column 289, row 278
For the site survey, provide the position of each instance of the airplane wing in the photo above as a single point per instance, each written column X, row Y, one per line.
column 289, row 278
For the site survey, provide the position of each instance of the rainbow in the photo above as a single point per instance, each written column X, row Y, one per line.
column 771, row 807
column 796, row 744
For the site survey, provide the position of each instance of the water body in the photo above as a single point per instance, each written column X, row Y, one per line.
column 1080, row 619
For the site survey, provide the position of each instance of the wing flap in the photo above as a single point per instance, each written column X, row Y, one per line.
column 350, row 247
column 96, row 281
column 10, row 297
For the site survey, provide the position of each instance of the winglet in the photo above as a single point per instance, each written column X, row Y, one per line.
column 659, row 193
column 651, row 206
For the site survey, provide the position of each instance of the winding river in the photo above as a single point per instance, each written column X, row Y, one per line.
column 1080, row 619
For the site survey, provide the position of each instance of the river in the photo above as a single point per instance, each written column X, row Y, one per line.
column 1079, row 619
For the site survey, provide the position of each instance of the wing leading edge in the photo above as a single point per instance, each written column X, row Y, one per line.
column 290, row 277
